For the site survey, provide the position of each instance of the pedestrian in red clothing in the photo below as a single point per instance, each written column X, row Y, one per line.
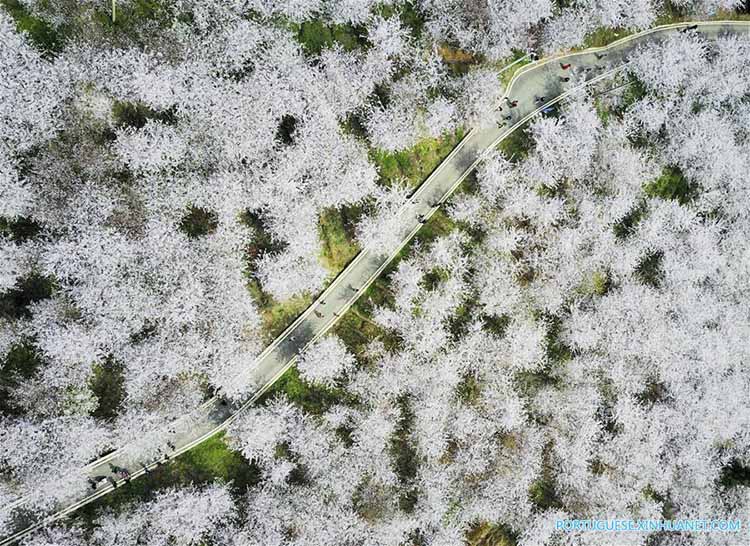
column 564, row 66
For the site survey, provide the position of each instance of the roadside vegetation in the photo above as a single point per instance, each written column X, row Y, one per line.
column 414, row 165
column 205, row 464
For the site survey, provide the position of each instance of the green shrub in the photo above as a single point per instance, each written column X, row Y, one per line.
column 21, row 362
column 129, row 114
column 649, row 270
column 517, row 145
column 199, row 222
column 15, row 302
column 672, row 184
column 316, row 35
column 107, row 382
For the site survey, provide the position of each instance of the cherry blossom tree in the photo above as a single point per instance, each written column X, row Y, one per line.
column 383, row 231
column 55, row 537
column 175, row 516
column 325, row 361
column 46, row 458
column 30, row 97
column 486, row 27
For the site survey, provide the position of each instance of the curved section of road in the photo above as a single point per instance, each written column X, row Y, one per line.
column 544, row 77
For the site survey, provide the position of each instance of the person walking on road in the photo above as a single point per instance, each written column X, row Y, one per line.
column 600, row 56
column 564, row 66
column 565, row 79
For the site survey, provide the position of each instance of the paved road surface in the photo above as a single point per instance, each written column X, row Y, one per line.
column 540, row 78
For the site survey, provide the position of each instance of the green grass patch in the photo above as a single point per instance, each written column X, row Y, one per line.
column 204, row 464
column 356, row 328
column 740, row 14
column 634, row 92
column 602, row 112
column 337, row 235
column 464, row 315
column 672, row 13
column 21, row 363
column 133, row 20
column 629, row 223
column 673, row 185
column 654, row 392
column 517, row 145
column 649, row 270
column 488, row 534
column 199, row 222
column 598, row 284
column 604, row 36
column 107, row 382
column 496, row 325
column 507, row 75
column 316, row 35
column 557, row 351
column 439, row 225
column 469, row 389
column 407, row 11
column 132, row 114
column 313, row 399
column 277, row 316
column 40, row 33
column 415, row 164
column 403, row 454
column 542, row 492
column 15, row 302
column 458, row 61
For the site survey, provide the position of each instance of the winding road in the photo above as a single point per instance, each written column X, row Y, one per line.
column 545, row 78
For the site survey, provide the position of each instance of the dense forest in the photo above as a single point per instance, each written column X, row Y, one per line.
column 178, row 179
